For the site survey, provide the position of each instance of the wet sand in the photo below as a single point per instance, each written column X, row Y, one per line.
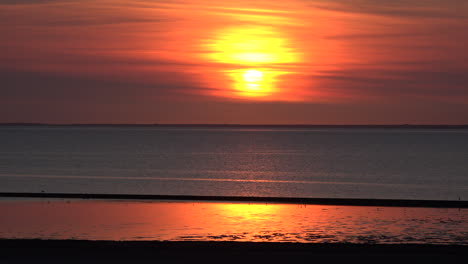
column 79, row 251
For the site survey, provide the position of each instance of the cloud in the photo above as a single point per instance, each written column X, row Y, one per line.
column 29, row 2
column 72, row 14
column 454, row 9
column 58, row 87
column 392, row 84
column 374, row 36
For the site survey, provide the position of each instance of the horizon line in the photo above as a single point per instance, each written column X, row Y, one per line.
column 233, row 125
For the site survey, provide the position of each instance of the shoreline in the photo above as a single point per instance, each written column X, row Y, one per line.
column 83, row 251
column 289, row 200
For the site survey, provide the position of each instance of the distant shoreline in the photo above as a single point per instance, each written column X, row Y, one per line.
column 399, row 126
column 289, row 200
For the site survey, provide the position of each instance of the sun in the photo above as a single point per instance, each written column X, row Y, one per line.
column 252, row 76
column 253, row 83
column 253, row 58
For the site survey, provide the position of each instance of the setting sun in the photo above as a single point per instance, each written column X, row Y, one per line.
column 253, row 76
column 252, row 84
column 264, row 49
column 258, row 84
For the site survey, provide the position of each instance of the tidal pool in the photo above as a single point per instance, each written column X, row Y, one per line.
column 225, row 221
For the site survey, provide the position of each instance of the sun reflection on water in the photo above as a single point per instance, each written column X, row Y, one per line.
column 225, row 221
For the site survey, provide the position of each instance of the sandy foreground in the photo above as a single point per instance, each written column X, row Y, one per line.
column 80, row 251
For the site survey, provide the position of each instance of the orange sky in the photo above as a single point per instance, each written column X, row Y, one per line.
column 267, row 62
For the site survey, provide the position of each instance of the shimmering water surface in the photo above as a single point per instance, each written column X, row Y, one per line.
column 283, row 162
column 209, row 221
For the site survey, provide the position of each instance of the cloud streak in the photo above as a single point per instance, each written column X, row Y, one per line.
column 453, row 9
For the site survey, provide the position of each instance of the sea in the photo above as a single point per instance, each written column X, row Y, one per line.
column 266, row 161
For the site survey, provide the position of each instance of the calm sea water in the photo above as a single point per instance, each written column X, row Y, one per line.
column 306, row 162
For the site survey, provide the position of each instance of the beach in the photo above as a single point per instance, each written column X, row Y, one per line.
column 75, row 251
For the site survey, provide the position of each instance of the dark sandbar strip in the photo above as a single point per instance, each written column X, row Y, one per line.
column 316, row 201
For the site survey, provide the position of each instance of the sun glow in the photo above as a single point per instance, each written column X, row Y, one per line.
column 252, row 46
column 252, row 76
column 257, row 53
